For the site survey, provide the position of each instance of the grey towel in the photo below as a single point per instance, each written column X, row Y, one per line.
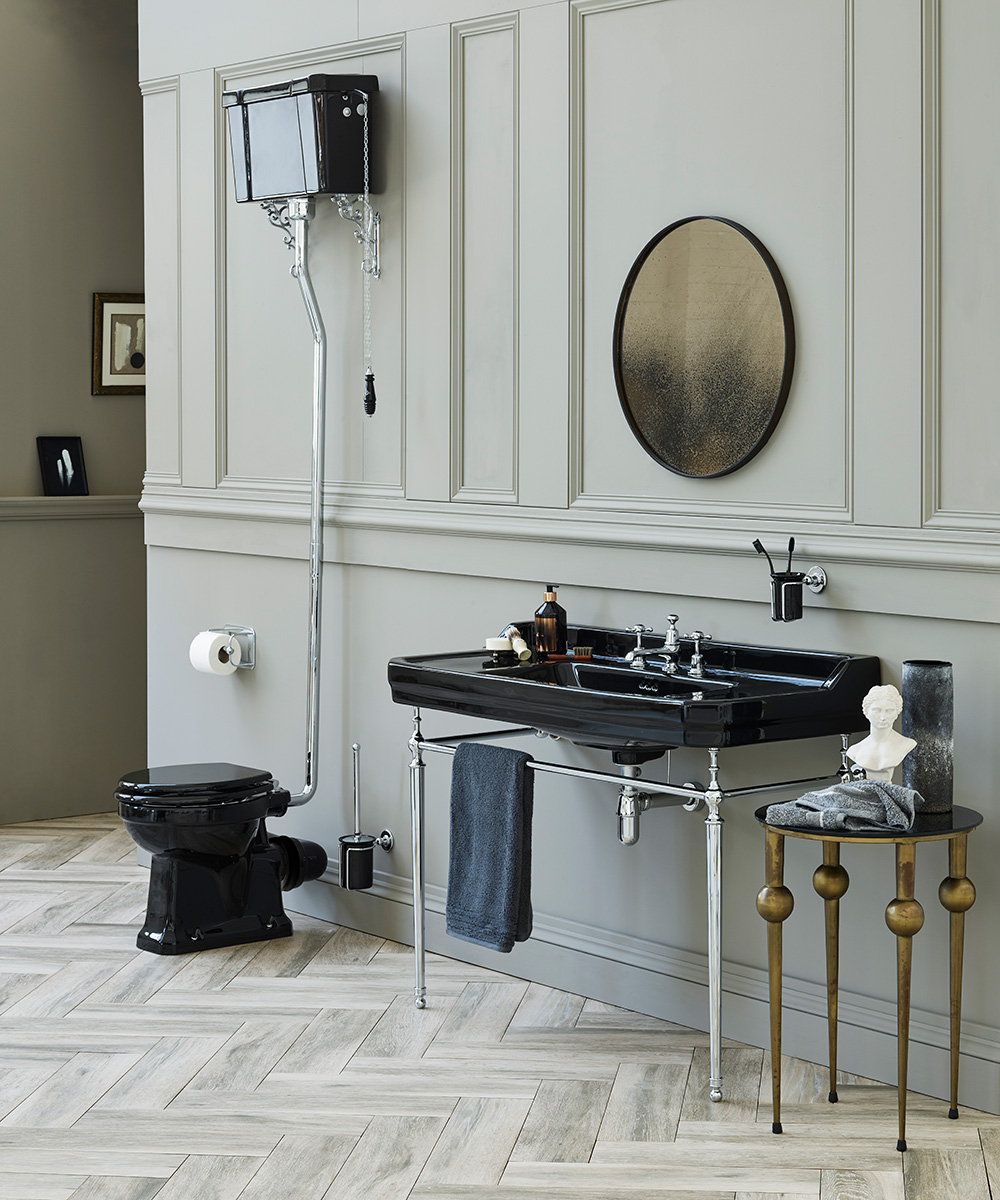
column 861, row 804
column 489, row 861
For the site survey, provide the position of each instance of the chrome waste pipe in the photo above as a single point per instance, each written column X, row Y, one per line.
column 629, row 807
column 300, row 212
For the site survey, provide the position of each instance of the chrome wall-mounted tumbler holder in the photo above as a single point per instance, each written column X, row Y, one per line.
column 786, row 586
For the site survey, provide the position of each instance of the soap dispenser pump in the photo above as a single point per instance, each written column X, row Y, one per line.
column 550, row 624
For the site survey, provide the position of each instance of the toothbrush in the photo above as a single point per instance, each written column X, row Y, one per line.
column 791, row 547
column 759, row 547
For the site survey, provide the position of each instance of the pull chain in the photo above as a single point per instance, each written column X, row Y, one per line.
column 367, row 266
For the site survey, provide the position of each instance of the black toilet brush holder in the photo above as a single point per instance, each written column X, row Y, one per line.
column 357, row 862
column 357, row 850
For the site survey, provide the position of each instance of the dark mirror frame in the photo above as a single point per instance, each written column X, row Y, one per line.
column 789, row 332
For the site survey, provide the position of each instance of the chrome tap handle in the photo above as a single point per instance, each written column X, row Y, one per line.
column 671, row 646
column 697, row 665
column 635, row 657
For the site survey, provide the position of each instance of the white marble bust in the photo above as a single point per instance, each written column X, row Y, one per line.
column 883, row 749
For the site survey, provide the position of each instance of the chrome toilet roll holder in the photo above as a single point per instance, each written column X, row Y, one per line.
column 246, row 639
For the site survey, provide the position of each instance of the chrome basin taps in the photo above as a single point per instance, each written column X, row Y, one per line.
column 696, row 668
column 670, row 651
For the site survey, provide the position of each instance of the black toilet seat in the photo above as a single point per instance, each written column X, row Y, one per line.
column 198, row 794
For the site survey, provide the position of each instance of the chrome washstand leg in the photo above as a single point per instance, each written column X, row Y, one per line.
column 417, row 768
column 713, row 829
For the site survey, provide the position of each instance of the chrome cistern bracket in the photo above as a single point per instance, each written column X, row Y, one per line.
column 277, row 214
column 360, row 213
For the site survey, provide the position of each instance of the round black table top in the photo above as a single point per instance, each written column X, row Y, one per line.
column 926, row 827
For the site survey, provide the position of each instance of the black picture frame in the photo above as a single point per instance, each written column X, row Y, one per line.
column 63, row 469
column 119, row 361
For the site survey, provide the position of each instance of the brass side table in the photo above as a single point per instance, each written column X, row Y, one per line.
column 904, row 916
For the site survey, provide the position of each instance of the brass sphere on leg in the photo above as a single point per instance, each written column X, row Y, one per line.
column 831, row 881
column 904, row 917
column 957, row 895
column 775, row 903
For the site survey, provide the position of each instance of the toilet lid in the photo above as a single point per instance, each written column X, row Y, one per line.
column 194, row 784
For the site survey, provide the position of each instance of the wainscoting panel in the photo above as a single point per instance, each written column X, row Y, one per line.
column 427, row 98
column 162, row 206
column 886, row 299
column 200, row 364
column 724, row 110
column 543, row 306
column 965, row 486
column 484, row 259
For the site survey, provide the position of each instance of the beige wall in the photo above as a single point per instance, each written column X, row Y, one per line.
column 71, row 605
column 72, row 198
column 531, row 154
column 72, row 708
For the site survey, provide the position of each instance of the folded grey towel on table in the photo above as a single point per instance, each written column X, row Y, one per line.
column 489, row 858
column 862, row 804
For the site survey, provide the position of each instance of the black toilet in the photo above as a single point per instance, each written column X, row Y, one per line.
column 217, row 875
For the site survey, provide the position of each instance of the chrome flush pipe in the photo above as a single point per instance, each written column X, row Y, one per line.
column 300, row 212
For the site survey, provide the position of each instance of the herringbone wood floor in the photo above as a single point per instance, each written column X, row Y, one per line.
column 300, row 1069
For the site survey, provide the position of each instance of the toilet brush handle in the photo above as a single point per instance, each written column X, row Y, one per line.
column 356, row 751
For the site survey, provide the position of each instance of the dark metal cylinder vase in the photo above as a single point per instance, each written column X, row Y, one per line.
column 928, row 717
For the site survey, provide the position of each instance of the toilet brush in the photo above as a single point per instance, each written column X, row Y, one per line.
column 357, row 849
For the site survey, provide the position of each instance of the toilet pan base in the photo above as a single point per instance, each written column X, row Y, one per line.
column 191, row 902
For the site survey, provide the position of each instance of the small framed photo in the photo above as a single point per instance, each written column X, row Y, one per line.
column 119, row 344
column 63, row 472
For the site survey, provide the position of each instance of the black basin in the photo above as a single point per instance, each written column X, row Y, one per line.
column 748, row 694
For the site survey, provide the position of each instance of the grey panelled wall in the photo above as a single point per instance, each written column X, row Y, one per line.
column 526, row 169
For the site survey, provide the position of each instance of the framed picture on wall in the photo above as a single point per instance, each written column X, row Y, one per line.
column 119, row 344
column 63, row 472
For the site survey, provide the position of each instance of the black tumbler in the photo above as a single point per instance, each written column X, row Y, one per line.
column 786, row 595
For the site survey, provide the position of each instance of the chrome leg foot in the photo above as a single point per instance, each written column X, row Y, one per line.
column 715, row 1091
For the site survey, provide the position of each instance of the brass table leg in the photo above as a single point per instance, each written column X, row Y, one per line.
column 904, row 916
column 774, row 903
column 958, row 895
column 831, row 881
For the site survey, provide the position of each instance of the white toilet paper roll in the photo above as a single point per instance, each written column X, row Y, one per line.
column 214, row 653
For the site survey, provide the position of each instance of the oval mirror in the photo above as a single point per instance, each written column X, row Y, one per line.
column 703, row 346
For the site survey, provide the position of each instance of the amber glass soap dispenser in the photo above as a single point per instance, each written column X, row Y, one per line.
column 550, row 624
